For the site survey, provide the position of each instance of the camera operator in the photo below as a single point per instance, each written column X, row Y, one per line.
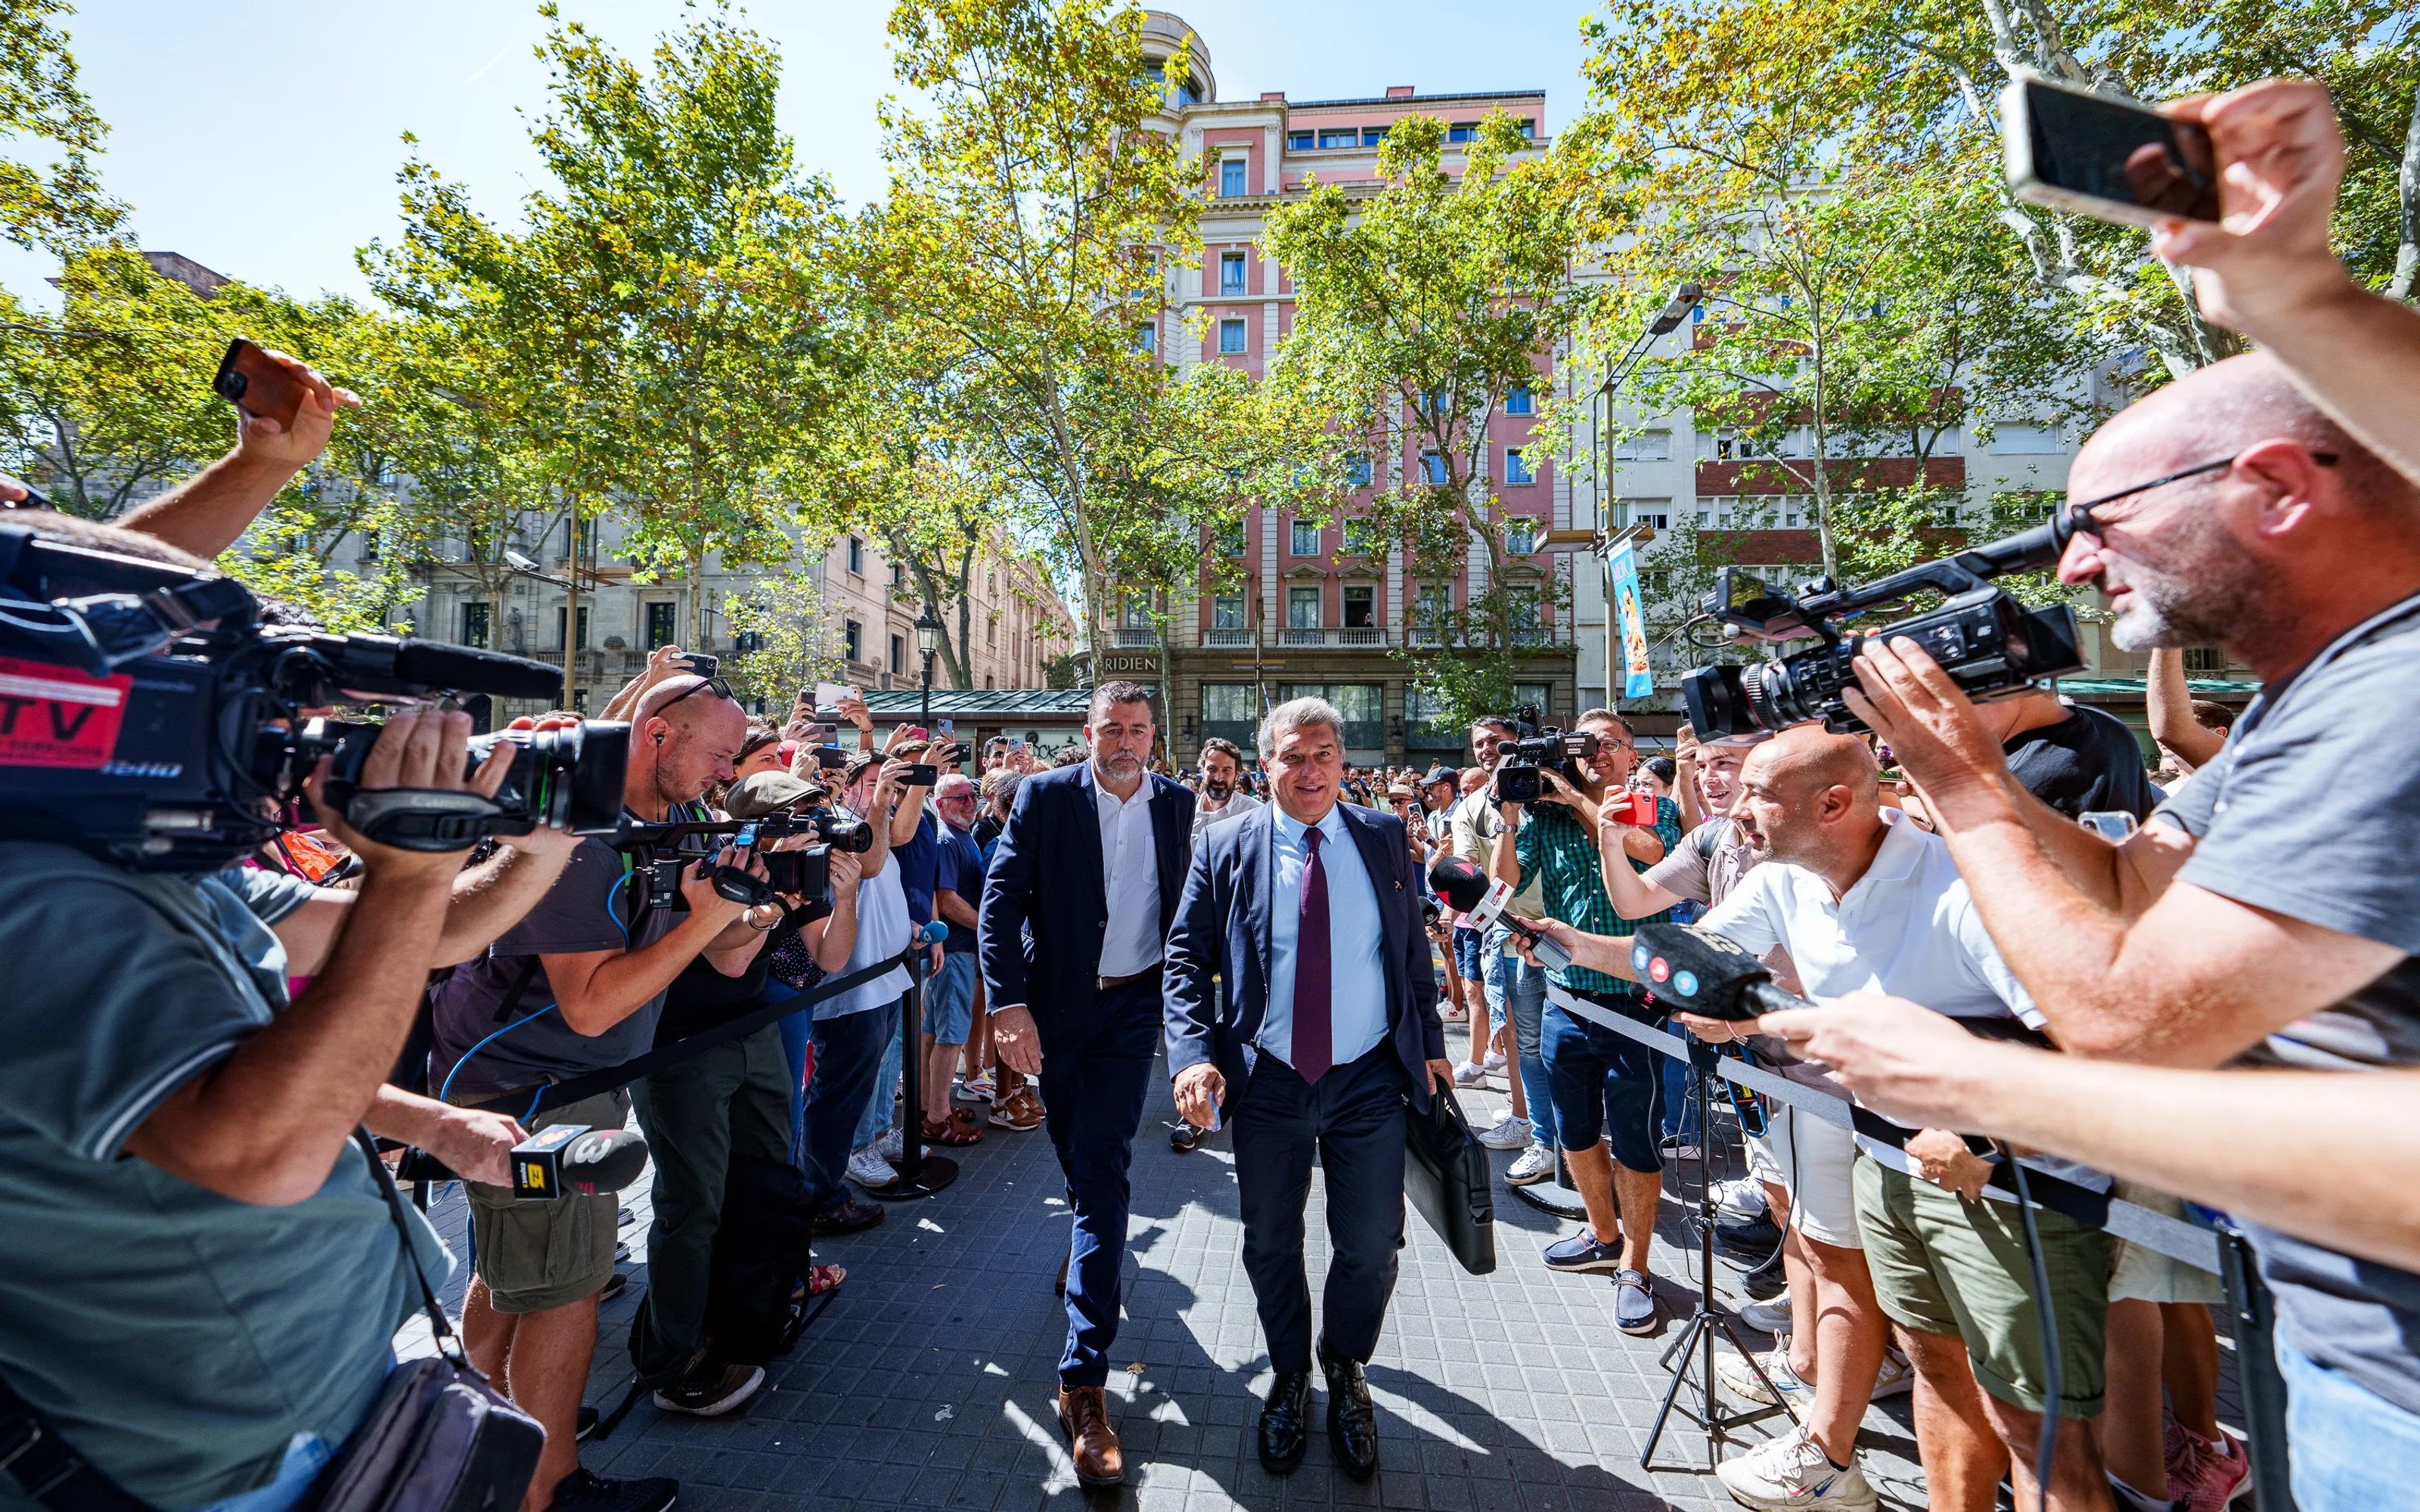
column 199, row 1279
column 1607, row 1089
column 2221, row 930
column 731, row 1102
column 575, row 987
column 1858, row 896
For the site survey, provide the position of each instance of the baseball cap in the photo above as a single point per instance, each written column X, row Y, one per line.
column 1440, row 774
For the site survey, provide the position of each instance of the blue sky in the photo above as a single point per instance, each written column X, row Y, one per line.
column 263, row 140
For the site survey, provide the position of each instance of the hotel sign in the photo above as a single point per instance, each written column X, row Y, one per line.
column 1129, row 664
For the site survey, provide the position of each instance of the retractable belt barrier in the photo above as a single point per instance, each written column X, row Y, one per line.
column 558, row 1093
column 2176, row 1239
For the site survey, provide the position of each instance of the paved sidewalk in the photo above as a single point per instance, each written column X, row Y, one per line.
column 929, row 1380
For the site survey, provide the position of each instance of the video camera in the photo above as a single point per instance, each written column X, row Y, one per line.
column 805, row 872
column 150, row 718
column 1538, row 745
column 1987, row 642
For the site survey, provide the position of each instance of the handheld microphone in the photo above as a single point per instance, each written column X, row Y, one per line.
column 932, row 932
column 1472, row 892
column 574, row 1159
column 1694, row 972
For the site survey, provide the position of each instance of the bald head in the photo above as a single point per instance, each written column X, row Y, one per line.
column 2221, row 409
column 686, row 738
column 1811, row 798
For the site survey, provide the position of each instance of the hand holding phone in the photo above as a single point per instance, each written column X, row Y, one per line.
column 2108, row 158
column 258, row 384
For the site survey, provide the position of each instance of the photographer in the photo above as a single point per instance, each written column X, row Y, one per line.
column 576, row 987
column 1607, row 1089
column 199, row 1279
column 2230, row 510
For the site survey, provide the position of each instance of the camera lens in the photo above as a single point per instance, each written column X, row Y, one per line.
column 567, row 779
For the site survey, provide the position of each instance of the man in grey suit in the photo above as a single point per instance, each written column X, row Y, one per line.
column 1309, row 911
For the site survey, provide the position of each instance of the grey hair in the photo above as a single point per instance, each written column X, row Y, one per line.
column 1294, row 713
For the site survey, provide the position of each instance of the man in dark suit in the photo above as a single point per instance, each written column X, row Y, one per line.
column 1076, row 902
column 1310, row 912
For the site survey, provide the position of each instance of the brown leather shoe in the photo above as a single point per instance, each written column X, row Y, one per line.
column 1084, row 1415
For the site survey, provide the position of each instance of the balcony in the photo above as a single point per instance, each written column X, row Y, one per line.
column 1226, row 637
column 1131, row 638
column 1291, row 636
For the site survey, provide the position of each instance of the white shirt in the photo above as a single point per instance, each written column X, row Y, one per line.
column 1237, row 804
column 1357, row 970
column 1130, row 881
column 883, row 929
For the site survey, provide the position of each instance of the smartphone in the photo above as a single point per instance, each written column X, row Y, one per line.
column 702, row 665
column 831, row 758
column 2111, row 824
column 917, row 732
column 2099, row 155
column 1016, row 745
column 947, row 727
column 249, row 379
column 920, row 775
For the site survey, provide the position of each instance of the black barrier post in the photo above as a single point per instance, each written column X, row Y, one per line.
column 1698, row 1338
column 2254, row 1315
column 920, row 1175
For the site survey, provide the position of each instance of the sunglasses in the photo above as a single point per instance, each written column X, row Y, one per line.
column 722, row 690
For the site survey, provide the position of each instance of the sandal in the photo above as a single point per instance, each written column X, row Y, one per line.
column 950, row 1132
column 823, row 1278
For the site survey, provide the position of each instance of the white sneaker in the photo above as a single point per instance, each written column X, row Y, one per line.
column 1743, row 1197
column 1507, row 1134
column 1495, row 1061
column 892, row 1145
column 1468, row 1075
column 1790, row 1474
column 1535, row 1163
column 1736, row 1373
column 1897, row 1375
column 1768, row 1317
column 868, row 1169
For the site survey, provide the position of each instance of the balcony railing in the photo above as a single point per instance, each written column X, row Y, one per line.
column 1227, row 638
column 1366, row 636
column 1127, row 636
column 1559, row 634
column 1293, row 636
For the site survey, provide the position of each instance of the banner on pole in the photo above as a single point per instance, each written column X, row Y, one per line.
column 1629, row 619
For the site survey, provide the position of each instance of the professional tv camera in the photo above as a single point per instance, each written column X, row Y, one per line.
column 1987, row 642
column 660, row 853
column 1536, row 747
column 149, row 718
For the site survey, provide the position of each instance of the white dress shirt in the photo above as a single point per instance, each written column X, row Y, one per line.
column 1130, row 881
column 1357, row 970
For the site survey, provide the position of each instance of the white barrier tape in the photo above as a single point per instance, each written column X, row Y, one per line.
column 2176, row 1239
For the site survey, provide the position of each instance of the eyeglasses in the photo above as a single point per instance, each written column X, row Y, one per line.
column 2079, row 519
column 722, row 690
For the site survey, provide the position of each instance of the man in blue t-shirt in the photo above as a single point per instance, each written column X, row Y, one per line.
column 950, row 996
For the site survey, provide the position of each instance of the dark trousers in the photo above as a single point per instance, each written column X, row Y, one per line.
column 1353, row 1119
column 848, row 1051
column 734, row 1100
column 1092, row 1098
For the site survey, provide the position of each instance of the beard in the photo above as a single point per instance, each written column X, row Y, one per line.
column 1217, row 788
column 2207, row 593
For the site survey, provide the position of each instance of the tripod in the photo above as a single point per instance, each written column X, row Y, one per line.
column 1698, row 1335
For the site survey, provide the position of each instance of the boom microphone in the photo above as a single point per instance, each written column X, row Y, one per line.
column 1472, row 892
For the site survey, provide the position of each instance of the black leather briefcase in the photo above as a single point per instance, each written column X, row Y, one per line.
column 1447, row 1180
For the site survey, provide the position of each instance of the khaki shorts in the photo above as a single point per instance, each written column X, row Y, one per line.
column 2144, row 1274
column 1813, row 1161
column 1944, row 1265
column 537, row 1256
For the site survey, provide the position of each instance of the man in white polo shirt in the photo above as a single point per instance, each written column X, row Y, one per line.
column 1859, row 898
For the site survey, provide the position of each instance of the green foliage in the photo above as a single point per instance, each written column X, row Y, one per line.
column 798, row 645
column 59, row 207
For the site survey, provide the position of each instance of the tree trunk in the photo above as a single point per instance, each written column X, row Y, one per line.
column 2407, row 184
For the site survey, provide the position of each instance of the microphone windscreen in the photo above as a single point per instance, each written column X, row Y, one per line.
column 1459, row 881
column 933, row 933
column 603, row 1160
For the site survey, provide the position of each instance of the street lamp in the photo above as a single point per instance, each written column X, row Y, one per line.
column 929, row 644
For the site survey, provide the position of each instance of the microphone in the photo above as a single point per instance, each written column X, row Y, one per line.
column 574, row 1158
column 1471, row 891
column 932, row 932
column 1694, row 972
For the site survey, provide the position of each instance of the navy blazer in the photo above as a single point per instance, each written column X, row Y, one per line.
column 1045, row 901
column 1223, row 930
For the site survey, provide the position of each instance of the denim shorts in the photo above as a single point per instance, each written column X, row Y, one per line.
column 1606, row 1087
column 2350, row 1448
column 949, row 999
column 1466, row 954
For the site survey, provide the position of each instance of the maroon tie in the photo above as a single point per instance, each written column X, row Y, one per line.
column 1313, row 1036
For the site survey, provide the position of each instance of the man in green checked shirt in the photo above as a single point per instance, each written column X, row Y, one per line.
column 1607, row 1089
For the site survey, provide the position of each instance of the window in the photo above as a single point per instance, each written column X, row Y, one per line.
column 1357, row 471
column 2027, row 440
column 852, row 641
column 474, row 624
column 1230, row 272
column 1538, row 693
column 1231, row 540
column 898, row 655
column 659, row 624
column 1433, row 603
column 1230, row 336
column 1134, row 613
column 1147, row 338
column 587, row 539
column 1302, row 609
column 2197, row 659
column 1517, row 401
column 899, row 574
column 1462, row 132
column 1227, row 612
column 1349, row 137
column 1299, row 141
column 1432, row 468
column 584, row 626
column 1644, row 446
column 1373, row 135
column 1521, row 608
column 1232, row 173
column 1528, row 129
column 1521, row 536
column 1361, row 538
column 1517, row 466
column 1654, row 513
column 991, row 633
column 1360, row 606
column 857, row 556
column 370, row 546
column 1306, row 539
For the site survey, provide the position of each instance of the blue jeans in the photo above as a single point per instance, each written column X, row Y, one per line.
column 847, row 1050
column 798, row 1034
column 2352, row 1449
column 876, row 1120
column 1519, row 991
column 305, row 1456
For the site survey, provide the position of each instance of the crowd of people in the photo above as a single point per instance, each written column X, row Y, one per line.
column 199, row 1290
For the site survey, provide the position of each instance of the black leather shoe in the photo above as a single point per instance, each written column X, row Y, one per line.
column 1285, row 1422
column 1352, row 1421
column 1182, row 1137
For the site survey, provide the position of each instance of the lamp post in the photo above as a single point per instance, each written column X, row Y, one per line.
column 928, row 645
